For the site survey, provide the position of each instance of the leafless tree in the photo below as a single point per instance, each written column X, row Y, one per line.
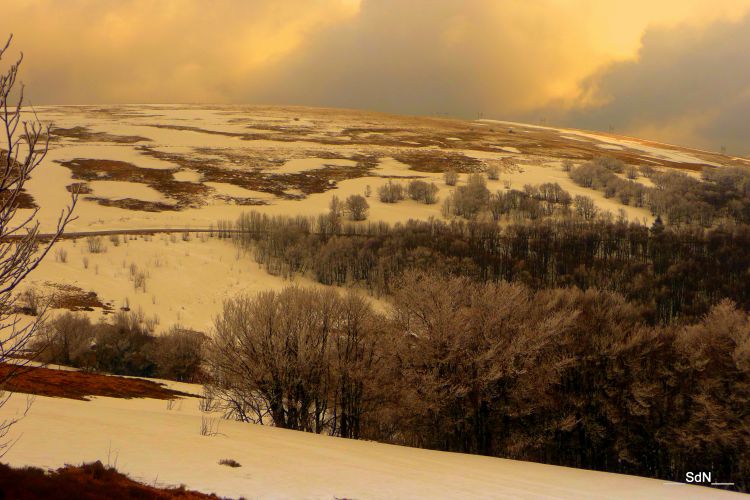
column 301, row 358
column 23, row 146
column 357, row 207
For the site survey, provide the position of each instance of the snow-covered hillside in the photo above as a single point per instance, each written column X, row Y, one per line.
column 188, row 166
column 160, row 443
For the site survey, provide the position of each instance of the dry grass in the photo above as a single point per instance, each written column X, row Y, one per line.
column 80, row 385
column 85, row 482
column 185, row 194
column 84, row 134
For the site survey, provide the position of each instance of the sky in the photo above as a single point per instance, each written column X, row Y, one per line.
column 670, row 70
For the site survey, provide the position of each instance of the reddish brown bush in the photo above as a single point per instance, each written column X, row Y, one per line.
column 79, row 385
column 89, row 481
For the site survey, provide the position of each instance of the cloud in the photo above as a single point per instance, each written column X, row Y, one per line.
column 688, row 85
column 104, row 51
column 439, row 56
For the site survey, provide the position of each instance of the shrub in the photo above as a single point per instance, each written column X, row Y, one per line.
column 451, row 177
column 138, row 277
column 30, row 299
column 61, row 255
column 209, row 426
column 493, row 173
column 468, row 200
column 391, row 192
column 95, row 244
column 611, row 164
column 423, row 192
column 178, row 355
column 230, row 462
column 67, row 340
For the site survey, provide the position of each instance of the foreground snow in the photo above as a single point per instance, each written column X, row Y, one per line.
column 157, row 445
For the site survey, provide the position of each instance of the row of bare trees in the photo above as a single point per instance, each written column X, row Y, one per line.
column 670, row 273
column 723, row 194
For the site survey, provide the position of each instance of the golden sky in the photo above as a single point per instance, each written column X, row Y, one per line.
column 505, row 58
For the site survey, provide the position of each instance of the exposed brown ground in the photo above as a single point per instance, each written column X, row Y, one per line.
column 80, row 385
column 23, row 200
column 85, row 482
column 83, row 134
column 74, row 298
column 185, row 194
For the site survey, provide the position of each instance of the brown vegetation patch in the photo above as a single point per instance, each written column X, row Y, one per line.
column 135, row 204
column 74, row 298
column 244, row 159
column 84, row 134
column 186, row 194
column 79, row 187
column 23, row 199
column 238, row 200
column 186, row 128
column 439, row 161
column 253, row 177
column 91, row 481
column 80, row 385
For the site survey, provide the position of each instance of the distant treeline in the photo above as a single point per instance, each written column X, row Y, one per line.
column 668, row 273
column 722, row 195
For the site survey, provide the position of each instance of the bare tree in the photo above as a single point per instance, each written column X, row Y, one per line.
column 23, row 146
column 301, row 358
column 357, row 207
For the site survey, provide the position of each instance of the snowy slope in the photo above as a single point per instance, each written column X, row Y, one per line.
column 158, row 445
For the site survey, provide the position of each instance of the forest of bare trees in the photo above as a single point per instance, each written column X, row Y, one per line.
column 721, row 195
column 555, row 336
column 559, row 375
column 669, row 273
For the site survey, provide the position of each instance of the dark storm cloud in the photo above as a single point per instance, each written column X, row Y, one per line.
column 440, row 56
column 689, row 85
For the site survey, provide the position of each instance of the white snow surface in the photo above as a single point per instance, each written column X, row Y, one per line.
column 666, row 151
column 156, row 445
